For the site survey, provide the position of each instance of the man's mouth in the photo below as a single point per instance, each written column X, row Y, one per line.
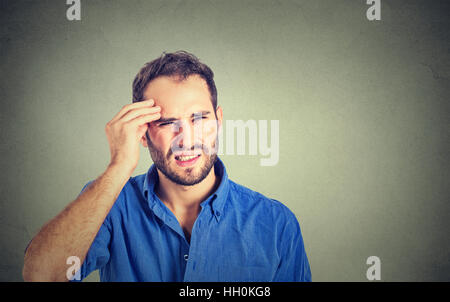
column 186, row 160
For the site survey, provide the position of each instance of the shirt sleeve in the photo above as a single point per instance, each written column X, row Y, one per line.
column 98, row 253
column 294, row 265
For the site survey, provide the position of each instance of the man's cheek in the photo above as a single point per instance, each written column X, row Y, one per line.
column 209, row 130
column 159, row 140
column 162, row 136
column 209, row 135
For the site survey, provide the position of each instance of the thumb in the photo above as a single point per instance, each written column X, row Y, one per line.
column 143, row 134
column 142, row 130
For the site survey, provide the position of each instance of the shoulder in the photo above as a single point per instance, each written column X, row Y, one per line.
column 248, row 200
column 135, row 183
column 132, row 192
column 129, row 196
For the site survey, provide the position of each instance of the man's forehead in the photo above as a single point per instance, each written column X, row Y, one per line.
column 162, row 84
column 179, row 100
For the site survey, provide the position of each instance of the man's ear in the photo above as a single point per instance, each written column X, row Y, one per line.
column 219, row 115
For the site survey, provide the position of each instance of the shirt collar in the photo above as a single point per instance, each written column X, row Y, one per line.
column 216, row 200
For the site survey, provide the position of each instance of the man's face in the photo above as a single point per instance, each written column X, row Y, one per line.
column 183, row 142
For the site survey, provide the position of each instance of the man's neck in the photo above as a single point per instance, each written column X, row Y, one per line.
column 179, row 198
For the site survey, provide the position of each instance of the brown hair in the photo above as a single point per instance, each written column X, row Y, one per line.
column 181, row 64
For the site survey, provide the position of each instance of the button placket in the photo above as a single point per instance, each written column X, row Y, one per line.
column 190, row 256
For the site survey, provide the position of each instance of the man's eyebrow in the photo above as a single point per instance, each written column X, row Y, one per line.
column 166, row 119
column 200, row 113
column 172, row 119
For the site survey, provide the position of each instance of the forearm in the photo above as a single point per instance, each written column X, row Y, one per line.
column 72, row 232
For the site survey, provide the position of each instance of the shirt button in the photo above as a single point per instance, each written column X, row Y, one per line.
column 186, row 257
column 217, row 213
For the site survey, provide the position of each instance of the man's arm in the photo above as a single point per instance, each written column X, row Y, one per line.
column 294, row 264
column 72, row 232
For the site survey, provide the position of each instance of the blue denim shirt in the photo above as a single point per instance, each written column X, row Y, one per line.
column 239, row 235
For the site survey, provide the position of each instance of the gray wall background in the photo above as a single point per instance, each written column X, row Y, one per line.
column 363, row 109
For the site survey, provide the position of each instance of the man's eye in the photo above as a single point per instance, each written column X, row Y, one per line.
column 165, row 123
column 197, row 118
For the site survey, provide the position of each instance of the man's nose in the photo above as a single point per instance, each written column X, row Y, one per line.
column 186, row 133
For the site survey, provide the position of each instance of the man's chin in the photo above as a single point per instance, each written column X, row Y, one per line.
column 185, row 179
column 188, row 175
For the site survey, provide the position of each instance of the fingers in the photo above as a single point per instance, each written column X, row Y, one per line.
column 145, row 119
column 125, row 109
column 132, row 114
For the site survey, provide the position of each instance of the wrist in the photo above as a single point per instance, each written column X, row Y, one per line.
column 121, row 168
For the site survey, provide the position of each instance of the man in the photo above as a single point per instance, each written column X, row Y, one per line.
column 184, row 220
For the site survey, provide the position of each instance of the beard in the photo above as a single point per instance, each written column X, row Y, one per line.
column 188, row 176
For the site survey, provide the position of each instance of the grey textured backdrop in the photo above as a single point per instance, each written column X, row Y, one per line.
column 363, row 109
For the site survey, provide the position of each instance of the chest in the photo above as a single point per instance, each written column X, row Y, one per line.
column 219, row 251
